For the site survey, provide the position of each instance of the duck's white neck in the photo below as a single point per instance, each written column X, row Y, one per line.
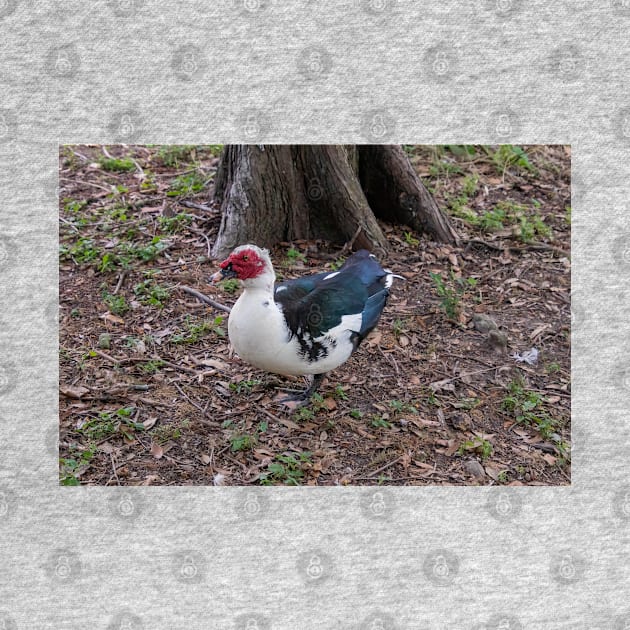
column 263, row 282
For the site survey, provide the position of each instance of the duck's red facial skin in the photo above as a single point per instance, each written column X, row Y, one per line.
column 245, row 264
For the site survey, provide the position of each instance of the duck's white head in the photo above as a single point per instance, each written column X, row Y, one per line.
column 251, row 264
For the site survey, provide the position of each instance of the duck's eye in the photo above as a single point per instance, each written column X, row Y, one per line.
column 246, row 257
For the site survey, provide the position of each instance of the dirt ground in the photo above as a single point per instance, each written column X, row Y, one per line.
column 439, row 393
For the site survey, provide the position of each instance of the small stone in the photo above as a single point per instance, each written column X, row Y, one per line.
column 498, row 341
column 460, row 422
column 473, row 467
column 483, row 323
column 104, row 341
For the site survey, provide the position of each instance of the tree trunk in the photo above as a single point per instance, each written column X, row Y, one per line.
column 275, row 193
column 396, row 194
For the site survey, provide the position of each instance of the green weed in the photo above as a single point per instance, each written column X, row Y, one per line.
column 115, row 303
column 151, row 294
column 172, row 225
column 450, row 291
column 477, row 445
column 379, row 422
column 286, row 469
column 70, row 467
column 188, row 184
column 196, row 331
column 244, row 386
column 121, row 165
column 295, row 255
column 528, row 408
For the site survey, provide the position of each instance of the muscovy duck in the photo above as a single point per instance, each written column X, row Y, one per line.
column 306, row 326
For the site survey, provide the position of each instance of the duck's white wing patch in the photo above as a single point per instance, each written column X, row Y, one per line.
column 331, row 275
column 282, row 288
column 349, row 323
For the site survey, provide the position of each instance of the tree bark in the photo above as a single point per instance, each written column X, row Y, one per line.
column 396, row 193
column 275, row 193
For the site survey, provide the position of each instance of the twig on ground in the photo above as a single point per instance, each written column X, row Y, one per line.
column 121, row 279
column 286, row 423
column 543, row 247
column 78, row 181
column 348, row 246
column 388, row 465
column 74, row 227
column 196, row 206
column 111, row 457
column 201, row 233
column 192, row 402
column 206, row 299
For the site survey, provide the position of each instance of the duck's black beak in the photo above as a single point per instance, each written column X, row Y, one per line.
column 223, row 274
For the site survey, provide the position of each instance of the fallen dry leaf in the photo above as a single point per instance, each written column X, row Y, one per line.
column 156, row 450
column 73, row 391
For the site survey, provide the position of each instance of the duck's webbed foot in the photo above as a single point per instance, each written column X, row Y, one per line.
column 300, row 399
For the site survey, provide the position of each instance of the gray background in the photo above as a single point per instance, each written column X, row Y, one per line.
column 353, row 71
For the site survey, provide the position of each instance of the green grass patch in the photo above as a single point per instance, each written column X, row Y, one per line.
column 196, row 330
column 286, row 469
column 117, row 165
